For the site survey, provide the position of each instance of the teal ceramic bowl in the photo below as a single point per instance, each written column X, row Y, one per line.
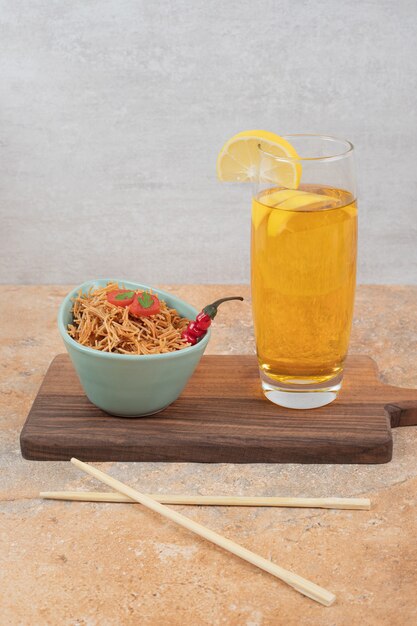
column 129, row 385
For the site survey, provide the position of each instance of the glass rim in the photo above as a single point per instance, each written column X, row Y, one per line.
column 349, row 147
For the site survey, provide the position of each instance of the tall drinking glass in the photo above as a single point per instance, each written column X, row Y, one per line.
column 303, row 269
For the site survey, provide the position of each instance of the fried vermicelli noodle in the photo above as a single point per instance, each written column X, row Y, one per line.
column 102, row 326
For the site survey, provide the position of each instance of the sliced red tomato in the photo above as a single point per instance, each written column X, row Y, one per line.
column 121, row 297
column 145, row 304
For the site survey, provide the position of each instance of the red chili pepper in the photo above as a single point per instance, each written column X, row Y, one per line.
column 203, row 320
column 196, row 330
column 188, row 338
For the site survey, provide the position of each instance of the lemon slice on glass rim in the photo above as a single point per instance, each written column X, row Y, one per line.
column 242, row 160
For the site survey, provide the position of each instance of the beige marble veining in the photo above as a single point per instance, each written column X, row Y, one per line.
column 83, row 564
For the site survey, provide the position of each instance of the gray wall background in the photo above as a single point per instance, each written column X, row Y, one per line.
column 113, row 111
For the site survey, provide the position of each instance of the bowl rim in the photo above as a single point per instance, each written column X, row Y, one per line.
column 114, row 355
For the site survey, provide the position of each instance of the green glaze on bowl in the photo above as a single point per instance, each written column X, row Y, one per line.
column 129, row 385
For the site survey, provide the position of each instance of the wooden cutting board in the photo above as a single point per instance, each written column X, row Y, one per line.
column 221, row 417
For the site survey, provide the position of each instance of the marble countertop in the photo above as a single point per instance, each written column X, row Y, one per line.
column 84, row 564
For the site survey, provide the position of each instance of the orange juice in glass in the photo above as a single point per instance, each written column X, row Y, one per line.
column 303, row 267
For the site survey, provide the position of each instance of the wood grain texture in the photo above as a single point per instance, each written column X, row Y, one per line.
column 221, row 417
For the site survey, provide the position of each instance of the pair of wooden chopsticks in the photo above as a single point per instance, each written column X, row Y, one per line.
column 304, row 586
column 304, row 503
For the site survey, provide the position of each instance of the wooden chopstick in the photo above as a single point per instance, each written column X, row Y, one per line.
column 313, row 503
column 302, row 585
